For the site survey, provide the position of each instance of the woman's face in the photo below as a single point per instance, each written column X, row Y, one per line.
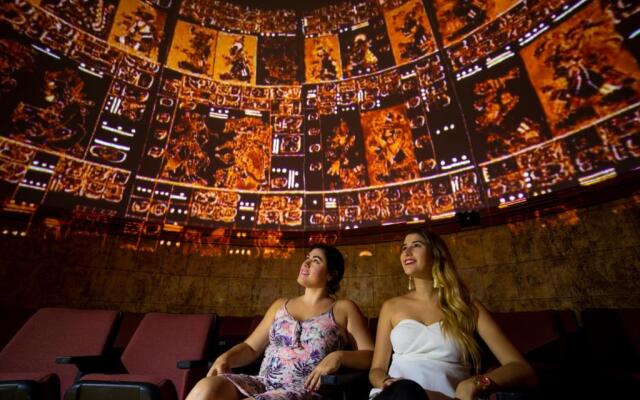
column 313, row 271
column 415, row 256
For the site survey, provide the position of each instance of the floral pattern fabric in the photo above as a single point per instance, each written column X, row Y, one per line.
column 295, row 349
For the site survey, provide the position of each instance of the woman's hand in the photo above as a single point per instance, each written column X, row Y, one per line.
column 330, row 364
column 388, row 381
column 220, row 366
column 467, row 390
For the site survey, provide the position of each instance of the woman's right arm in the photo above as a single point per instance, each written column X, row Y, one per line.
column 382, row 350
column 248, row 351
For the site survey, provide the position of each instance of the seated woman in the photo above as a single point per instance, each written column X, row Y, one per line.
column 431, row 331
column 304, row 339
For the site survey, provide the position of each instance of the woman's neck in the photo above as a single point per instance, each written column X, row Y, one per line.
column 424, row 289
column 314, row 296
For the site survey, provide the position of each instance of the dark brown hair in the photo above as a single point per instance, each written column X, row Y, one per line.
column 335, row 266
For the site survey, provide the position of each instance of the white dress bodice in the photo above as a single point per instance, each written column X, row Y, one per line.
column 424, row 355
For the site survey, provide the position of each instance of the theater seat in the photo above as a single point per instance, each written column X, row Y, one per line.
column 28, row 368
column 151, row 360
column 611, row 360
column 233, row 330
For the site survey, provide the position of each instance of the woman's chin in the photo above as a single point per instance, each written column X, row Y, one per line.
column 408, row 271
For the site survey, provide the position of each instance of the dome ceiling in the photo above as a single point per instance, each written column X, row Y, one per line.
column 174, row 115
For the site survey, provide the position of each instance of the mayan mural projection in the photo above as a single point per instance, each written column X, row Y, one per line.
column 198, row 119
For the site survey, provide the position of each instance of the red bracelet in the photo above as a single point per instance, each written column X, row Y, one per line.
column 482, row 382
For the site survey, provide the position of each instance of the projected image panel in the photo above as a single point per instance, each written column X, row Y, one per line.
column 229, row 16
column 366, row 49
column 159, row 202
column 287, row 153
column 415, row 103
column 282, row 212
column 502, row 110
column 592, row 157
column 25, row 176
column 278, row 60
column 549, row 167
column 236, row 57
column 213, row 208
column 440, row 137
column 158, row 133
column 220, row 148
column 192, row 49
column 467, row 190
column 622, row 134
column 87, row 184
column 380, row 206
column 322, row 59
column 95, row 55
column 48, row 102
column 581, row 70
column 138, row 28
column 409, row 31
column 625, row 17
column 506, row 183
column 458, row 18
column 94, row 17
column 14, row 163
column 442, row 201
column 123, row 124
column 388, row 145
column 538, row 171
column 333, row 17
column 343, row 155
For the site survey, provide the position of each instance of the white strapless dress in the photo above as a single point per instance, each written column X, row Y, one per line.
column 424, row 355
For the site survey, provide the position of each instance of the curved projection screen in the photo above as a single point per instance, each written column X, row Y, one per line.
column 200, row 113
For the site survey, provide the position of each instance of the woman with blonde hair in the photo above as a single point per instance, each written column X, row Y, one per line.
column 431, row 331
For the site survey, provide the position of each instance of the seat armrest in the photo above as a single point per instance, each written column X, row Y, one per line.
column 343, row 379
column 522, row 395
column 86, row 364
column 191, row 364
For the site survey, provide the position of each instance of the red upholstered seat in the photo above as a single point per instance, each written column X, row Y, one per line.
column 151, row 358
column 30, row 356
column 129, row 385
column 232, row 330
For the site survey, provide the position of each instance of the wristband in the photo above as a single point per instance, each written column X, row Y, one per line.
column 482, row 382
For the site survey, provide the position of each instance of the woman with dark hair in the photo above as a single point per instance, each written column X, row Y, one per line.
column 302, row 338
column 432, row 333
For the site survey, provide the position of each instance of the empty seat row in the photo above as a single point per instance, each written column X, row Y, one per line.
column 94, row 354
column 66, row 353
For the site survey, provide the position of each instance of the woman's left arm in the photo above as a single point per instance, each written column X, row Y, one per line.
column 358, row 333
column 514, row 370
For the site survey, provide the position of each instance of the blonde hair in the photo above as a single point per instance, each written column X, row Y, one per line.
column 454, row 299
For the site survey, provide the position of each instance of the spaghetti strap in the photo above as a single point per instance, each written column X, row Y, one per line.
column 295, row 349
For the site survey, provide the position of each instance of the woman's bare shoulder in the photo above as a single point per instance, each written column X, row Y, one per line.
column 395, row 303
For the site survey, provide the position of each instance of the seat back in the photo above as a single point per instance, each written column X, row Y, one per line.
column 612, row 336
column 373, row 327
column 531, row 330
column 161, row 340
column 53, row 332
column 232, row 330
column 12, row 321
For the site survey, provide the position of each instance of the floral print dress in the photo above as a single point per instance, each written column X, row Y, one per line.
column 295, row 349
